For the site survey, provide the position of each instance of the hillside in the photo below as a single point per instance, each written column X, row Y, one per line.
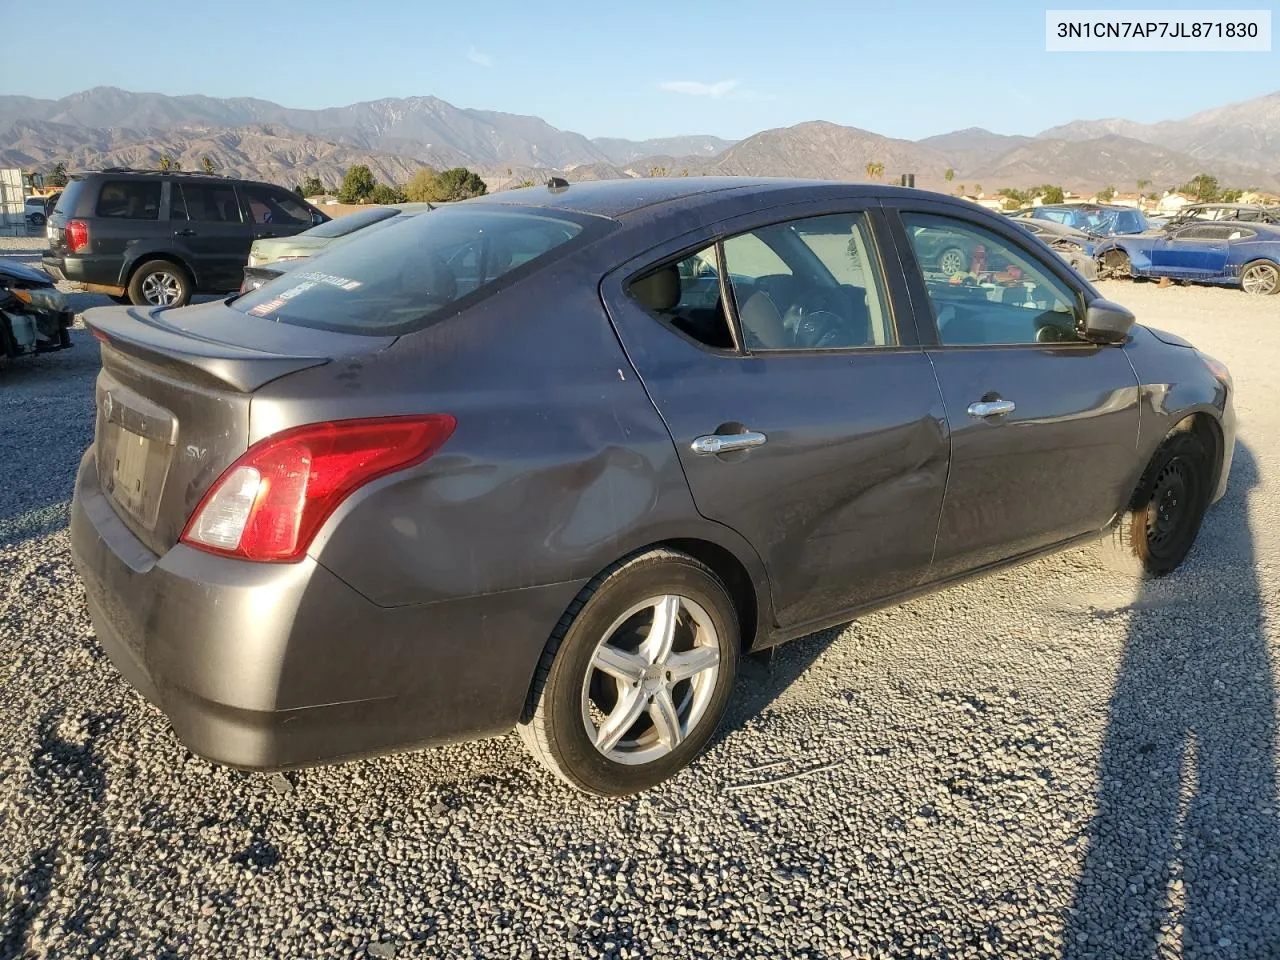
column 1239, row 143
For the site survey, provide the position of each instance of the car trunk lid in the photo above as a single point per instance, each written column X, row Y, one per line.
column 173, row 401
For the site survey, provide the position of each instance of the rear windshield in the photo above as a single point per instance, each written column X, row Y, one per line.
column 396, row 279
column 341, row 226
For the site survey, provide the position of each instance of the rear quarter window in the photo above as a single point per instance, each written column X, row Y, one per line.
column 396, row 279
column 129, row 199
column 70, row 197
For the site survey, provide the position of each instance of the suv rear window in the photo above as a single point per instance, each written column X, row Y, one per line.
column 395, row 280
column 129, row 199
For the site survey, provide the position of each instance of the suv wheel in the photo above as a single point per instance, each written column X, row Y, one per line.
column 636, row 676
column 159, row 283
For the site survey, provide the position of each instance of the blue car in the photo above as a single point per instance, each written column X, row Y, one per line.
column 1092, row 218
column 1226, row 253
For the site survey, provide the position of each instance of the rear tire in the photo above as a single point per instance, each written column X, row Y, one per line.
column 160, row 283
column 615, row 709
column 1156, row 533
column 1260, row 278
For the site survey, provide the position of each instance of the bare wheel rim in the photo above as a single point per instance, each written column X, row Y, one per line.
column 161, row 288
column 952, row 261
column 651, row 679
column 1261, row 278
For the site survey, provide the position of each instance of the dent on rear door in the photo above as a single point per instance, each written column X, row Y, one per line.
column 842, row 501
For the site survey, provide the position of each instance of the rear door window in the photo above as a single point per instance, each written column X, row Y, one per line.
column 397, row 279
column 204, row 203
column 129, row 199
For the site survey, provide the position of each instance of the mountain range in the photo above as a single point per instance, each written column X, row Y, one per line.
column 1239, row 143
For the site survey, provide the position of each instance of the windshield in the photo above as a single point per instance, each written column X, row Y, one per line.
column 394, row 279
column 341, row 226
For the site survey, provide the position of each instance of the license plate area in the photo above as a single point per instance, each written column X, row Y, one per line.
column 136, row 444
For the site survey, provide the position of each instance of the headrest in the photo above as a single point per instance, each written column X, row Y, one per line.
column 659, row 290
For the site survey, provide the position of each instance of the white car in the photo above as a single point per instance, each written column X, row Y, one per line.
column 34, row 210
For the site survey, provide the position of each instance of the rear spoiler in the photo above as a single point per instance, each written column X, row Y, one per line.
column 150, row 339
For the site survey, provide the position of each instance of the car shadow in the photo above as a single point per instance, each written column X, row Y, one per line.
column 1184, row 847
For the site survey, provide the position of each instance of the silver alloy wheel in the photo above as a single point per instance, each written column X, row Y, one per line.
column 651, row 679
column 952, row 261
column 161, row 289
column 1260, row 278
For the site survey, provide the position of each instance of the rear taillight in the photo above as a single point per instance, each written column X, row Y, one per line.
column 77, row 234
column 269, row 504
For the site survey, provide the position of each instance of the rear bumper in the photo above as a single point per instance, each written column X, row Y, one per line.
column 98, row 274
column 265, row 666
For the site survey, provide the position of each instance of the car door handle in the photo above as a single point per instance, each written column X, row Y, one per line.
column 187, row 232
column 990, row 408
column 728, row 442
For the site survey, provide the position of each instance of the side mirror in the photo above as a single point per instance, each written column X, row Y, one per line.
column 1107, row 322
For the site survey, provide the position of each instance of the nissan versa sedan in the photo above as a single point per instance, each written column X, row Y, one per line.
column 639, row 429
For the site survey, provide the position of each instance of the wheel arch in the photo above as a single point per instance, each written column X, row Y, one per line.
column 136, row 260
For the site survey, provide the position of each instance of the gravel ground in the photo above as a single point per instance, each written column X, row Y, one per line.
column 1050, row 762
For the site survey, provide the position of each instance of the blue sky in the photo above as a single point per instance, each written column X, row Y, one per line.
column 639, row 70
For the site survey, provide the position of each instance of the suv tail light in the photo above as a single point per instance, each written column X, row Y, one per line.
column 77, row 234
column 269, row 504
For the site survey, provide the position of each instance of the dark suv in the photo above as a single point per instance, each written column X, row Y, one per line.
column 156, row 238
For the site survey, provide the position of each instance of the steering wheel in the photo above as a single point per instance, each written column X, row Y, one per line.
column 1052, row 333
column 820, row 328
column 815, row 318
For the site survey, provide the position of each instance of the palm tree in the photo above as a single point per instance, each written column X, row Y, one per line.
column 207, row 163
column 165, row 162
column 949, row 175
column 871, row 169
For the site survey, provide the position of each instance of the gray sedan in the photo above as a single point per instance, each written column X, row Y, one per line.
column 555, row 459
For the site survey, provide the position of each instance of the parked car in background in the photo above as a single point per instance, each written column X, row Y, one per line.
column 1092, row 218
column 271, row 257
column 1223, row 253
column 34, row 316
column 1245, row 212
column 156, row 238
column 384, row 502
column 1074, row 246
column 33, row 211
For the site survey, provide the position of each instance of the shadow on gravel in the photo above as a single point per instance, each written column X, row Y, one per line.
column 1185, row 845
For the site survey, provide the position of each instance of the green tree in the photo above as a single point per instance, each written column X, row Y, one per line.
column 166, row 162
column 458, row 184
column 57, row 176
column 421, row 186
column 1204, row 188
column 297, row 188
column 208, row 164
column 1232, row 196
column 357, row 185
column 657, row 171
column 1142, row 185
column 384, row 194
column 960, row 190
column 949, row 175
column 1050, row 193
column 1106, row 194
column 312, row 187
